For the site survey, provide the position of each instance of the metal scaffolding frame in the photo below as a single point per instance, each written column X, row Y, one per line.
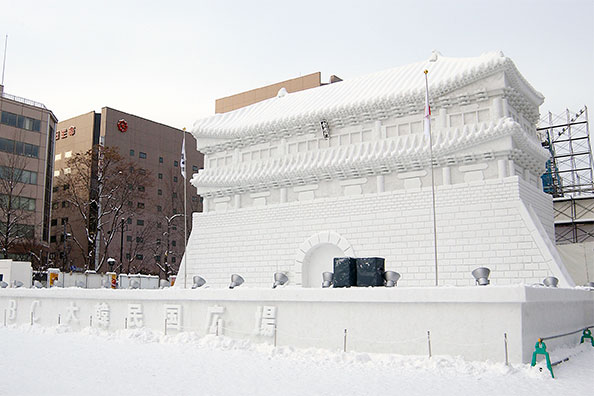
column 569, row 175
column 567, row 137
column 574, row 219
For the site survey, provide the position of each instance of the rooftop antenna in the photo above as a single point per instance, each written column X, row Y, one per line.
column 4, row 62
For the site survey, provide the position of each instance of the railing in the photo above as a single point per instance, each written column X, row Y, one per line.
column 540, row 348
column 23, row 100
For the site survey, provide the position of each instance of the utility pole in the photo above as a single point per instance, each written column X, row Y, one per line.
column 65, row 257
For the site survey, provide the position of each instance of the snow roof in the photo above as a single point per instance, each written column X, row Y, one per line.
column 405, row 153
column 386, row 89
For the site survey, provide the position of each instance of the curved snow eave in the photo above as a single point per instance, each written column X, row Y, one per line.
column 534, row 96
column 372, row 158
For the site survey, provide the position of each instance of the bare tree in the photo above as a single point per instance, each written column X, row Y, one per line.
column 169, row 220
column 139, row 247
column 99, row 189
column 16, row 209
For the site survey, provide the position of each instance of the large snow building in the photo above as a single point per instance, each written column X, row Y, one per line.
column 280, row 195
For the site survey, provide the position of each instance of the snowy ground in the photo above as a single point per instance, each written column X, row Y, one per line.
column 55, row 361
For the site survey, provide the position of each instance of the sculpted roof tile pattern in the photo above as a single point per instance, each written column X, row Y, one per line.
column 406, row 153
column 373, row 96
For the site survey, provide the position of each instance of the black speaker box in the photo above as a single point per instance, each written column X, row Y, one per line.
column 345, row 272
column 370, row 271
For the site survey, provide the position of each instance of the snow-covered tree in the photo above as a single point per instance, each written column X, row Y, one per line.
column 16, row 209
column 99, row 190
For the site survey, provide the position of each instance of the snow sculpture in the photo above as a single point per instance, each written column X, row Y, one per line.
column 273, row 179
column 102, row 315
column 71, row 313
column 173, row 316
column 135, row 316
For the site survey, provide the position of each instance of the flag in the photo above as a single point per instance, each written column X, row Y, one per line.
column 182, row 163
column 427, row 129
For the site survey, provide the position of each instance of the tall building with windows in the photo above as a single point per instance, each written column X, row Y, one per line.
column 26, row 167
column 154, row 211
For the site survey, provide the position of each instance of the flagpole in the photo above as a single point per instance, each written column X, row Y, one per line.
column 185, row 213
column 428, row 129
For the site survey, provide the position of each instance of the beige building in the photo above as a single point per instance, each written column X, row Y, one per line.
column 247, row 98
column 140, row 237
column 26, row 157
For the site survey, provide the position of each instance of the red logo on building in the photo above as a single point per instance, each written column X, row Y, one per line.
column 122, row 125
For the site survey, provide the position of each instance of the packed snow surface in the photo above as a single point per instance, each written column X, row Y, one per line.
column 57, row 361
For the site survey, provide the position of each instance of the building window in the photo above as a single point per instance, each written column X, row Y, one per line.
column 129, row 220
column 142, row 155
column 173, row 243
column 194, row 168
column 158, row 259
column 175, row 179
column 174, row 195
column 64, row 220
column 139, row 257
column 159, row 225
column 173, row 259
column 54, row 222
column 139, row 239
column 160, row 160
column 20, row 175
column 159, row 192
column 130, row 203
column 194, row 198
column 128, row 256
column 159, row 208
column 20, row 121
column 66, row 187
column 131, row 153
column 141, row 188
column 129, row 238
column 55, row 205
column 140, row 205
column 140, row 222
column 65, row 204
column 54, row 189
column 160, row 176
column 53, row 239
column 175, row 163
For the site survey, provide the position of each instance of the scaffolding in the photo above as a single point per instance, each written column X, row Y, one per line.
column 569, row 170
column 569, row 175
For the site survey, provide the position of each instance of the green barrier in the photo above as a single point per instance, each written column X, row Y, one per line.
column 587, row 334
column 541, row 349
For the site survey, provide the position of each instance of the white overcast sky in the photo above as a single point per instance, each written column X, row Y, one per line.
column 169, row 60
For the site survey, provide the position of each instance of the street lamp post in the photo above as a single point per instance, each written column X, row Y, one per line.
column 168, row 233
column 65, row 253
column 121, row 244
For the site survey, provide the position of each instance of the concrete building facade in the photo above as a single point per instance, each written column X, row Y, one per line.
column 154, row 148
column 26, row 155
column 243, row 99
